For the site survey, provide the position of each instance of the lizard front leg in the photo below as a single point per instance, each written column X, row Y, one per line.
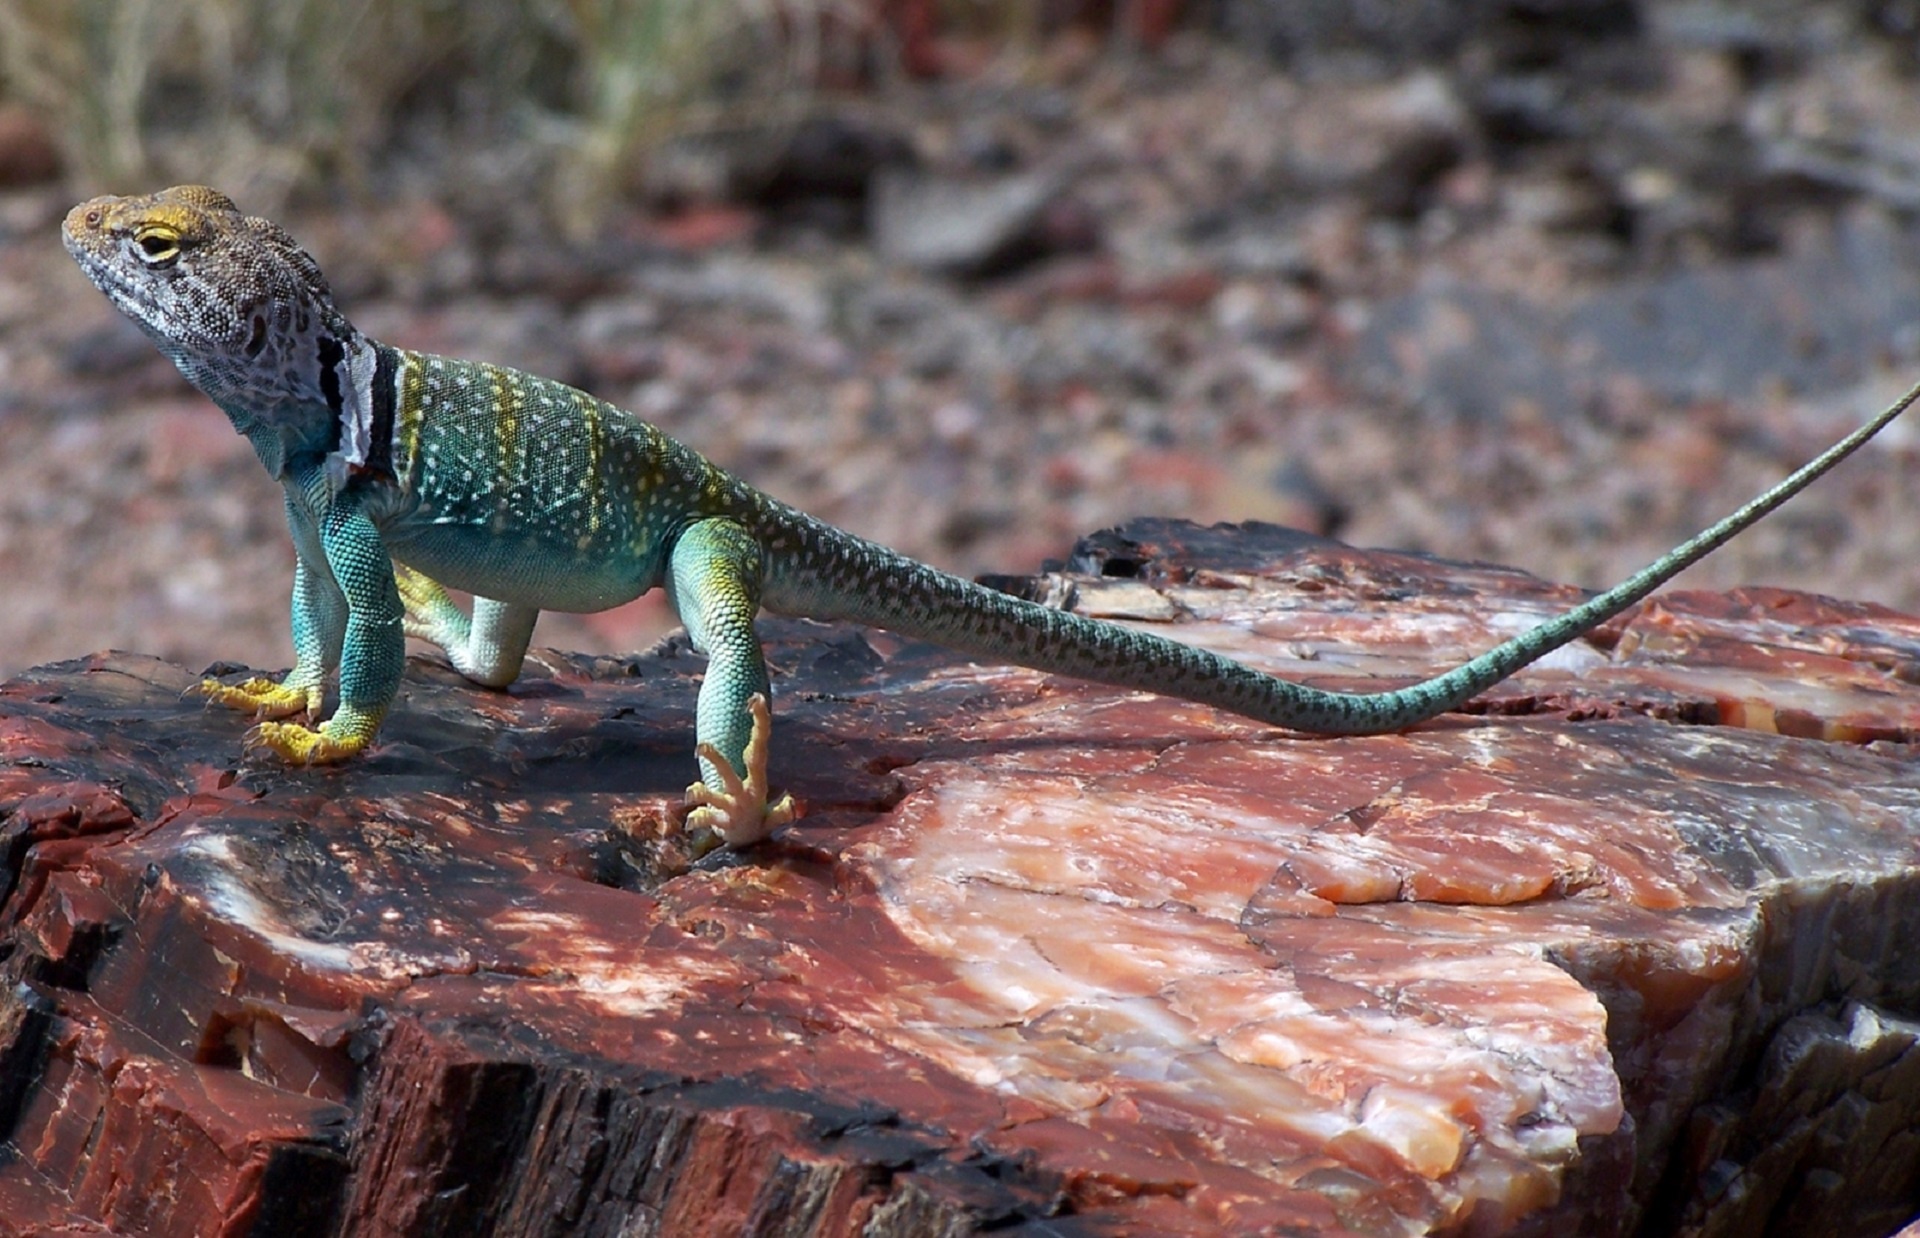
column 371, row 646
column 319, row 614
column 487, row 648
column 319, row 618
column 714, row 582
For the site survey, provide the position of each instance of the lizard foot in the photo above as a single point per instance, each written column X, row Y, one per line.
column 299, row 745
column 262, row 698
column 738, row 811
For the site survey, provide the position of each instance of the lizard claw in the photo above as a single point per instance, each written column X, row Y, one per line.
column 299, row 745
column 262, row 698
column 738, row 810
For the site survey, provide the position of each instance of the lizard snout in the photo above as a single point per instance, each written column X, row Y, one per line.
column 85, row 222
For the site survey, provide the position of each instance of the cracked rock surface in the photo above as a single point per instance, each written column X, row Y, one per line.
column 1626, row 949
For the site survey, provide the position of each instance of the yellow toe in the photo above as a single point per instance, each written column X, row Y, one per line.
column 737, row 810
column 299, row 745
column 262, row 698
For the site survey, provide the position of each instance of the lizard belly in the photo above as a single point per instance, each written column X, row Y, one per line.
column 523, row 570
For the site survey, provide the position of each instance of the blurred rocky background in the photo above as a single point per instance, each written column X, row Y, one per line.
column 1547, row 282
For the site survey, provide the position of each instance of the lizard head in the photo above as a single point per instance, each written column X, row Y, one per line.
column 230, row 298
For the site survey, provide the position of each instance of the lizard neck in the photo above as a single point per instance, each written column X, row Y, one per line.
column 330, row 398
column 282, row 431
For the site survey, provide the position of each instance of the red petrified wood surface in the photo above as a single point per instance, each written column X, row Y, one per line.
column 1632, row 948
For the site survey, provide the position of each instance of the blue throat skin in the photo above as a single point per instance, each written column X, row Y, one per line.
column 406, row 473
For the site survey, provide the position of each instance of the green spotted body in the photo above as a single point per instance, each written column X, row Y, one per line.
column 406, row 472
column 517, row 488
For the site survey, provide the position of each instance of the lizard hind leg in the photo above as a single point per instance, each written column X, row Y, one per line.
column 714, row 581
column 430, row 614
column 488, row 647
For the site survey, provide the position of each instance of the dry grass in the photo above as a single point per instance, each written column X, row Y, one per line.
column 276, row 98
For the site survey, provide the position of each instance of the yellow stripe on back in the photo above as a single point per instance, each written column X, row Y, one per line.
column 594, row 485
column 507, row 441
column 410, row 416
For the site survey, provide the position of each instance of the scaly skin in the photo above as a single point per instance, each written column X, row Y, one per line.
column 405, row 472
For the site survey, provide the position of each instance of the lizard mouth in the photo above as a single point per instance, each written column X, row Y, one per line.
column 118, row 289
column 124, row 294
column 91, row 249
column 82, row 247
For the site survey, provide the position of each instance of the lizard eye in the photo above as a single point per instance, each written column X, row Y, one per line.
column 158, row 246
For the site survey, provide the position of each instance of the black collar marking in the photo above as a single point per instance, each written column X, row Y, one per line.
column 380, row 426
column 331, row 356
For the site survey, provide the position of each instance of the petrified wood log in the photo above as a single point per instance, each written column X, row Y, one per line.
column 1636, row 949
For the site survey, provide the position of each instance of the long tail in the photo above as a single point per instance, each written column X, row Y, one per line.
column 827, row 574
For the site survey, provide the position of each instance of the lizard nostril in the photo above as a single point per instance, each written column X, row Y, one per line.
column 94, row 217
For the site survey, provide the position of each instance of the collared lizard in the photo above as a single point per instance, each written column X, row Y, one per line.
column 405, row 472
